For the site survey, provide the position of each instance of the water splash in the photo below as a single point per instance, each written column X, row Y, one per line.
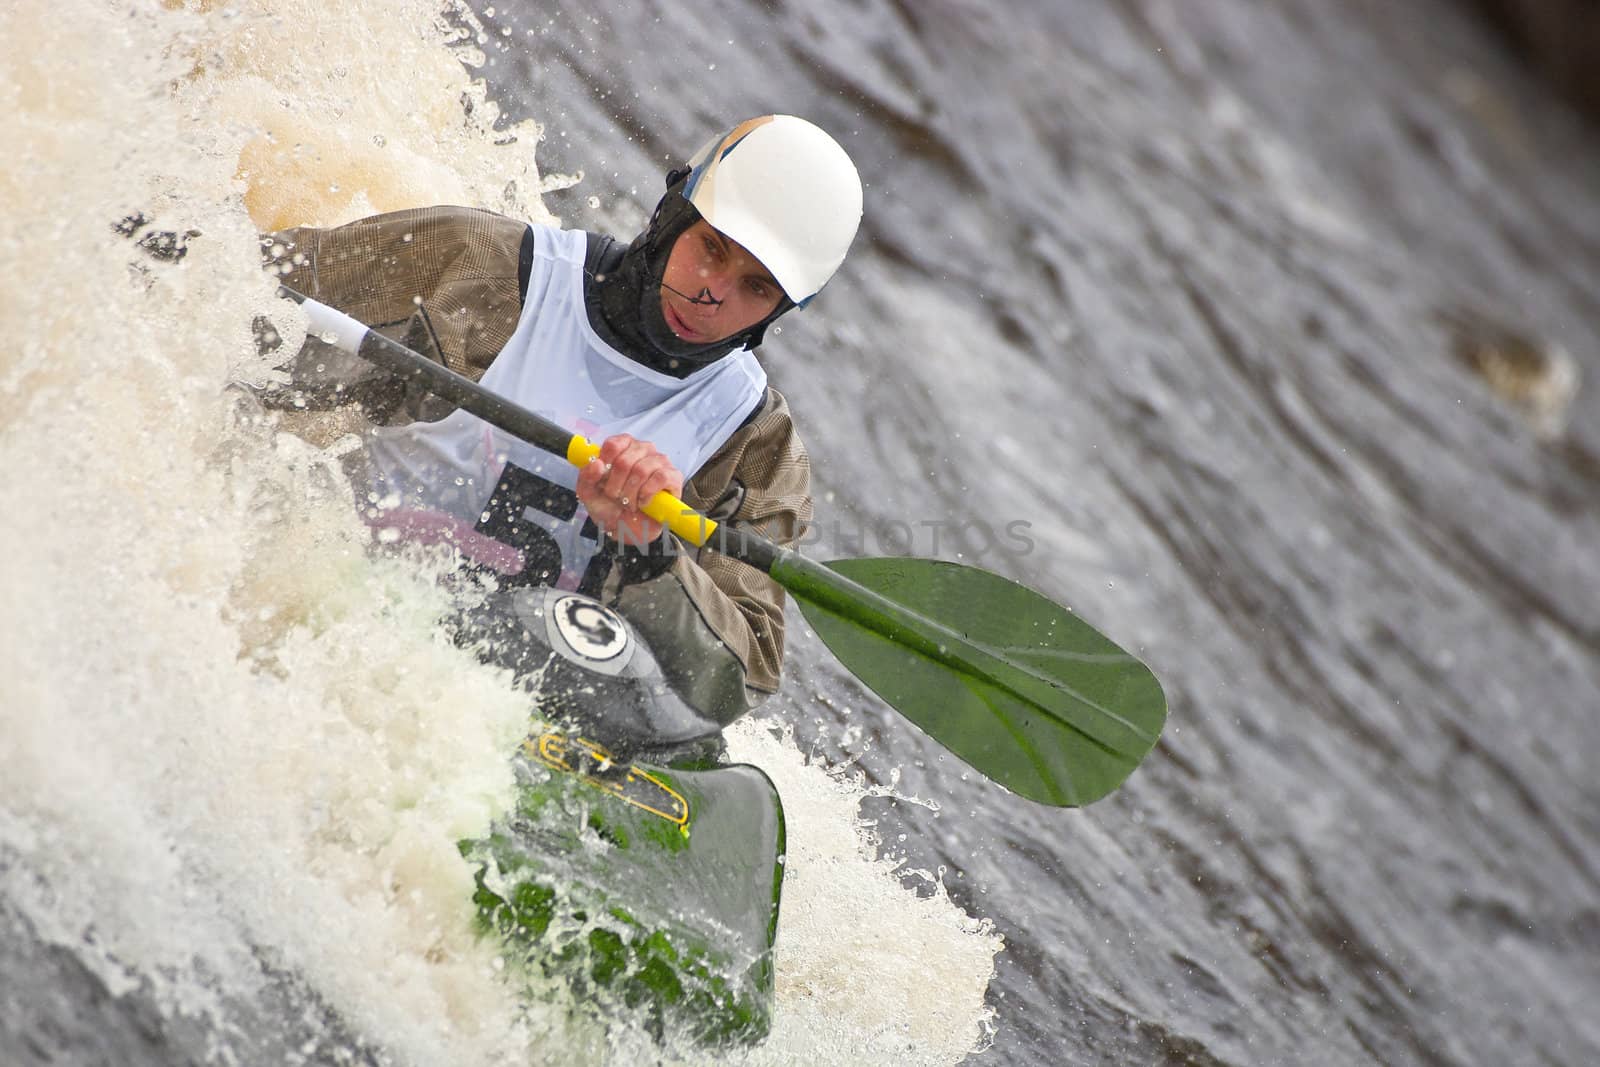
column 236, row 746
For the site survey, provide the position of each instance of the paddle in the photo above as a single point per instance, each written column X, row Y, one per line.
column 1017, row 686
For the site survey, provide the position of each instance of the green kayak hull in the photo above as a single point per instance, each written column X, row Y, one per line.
column 647, row 889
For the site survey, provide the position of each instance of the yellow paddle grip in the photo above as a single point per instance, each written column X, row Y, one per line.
column 665, row 508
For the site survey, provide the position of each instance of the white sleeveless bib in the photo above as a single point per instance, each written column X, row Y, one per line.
column 443, row 476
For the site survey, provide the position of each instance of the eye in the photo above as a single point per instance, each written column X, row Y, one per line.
column 713, row 249
column 758, row 288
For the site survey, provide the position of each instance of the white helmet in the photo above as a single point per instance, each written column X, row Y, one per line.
column 786, row 191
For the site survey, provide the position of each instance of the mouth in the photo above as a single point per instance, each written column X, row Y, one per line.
column 675, row 322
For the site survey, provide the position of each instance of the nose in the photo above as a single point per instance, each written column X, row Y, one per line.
column 705, row 296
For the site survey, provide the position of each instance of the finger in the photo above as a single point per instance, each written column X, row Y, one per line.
column 614, row 446
column 589, row 476
column 658, row 480
column 650, row 466
column 622, row 463
column 591, row 495
column 632, row 467
column 607, row 512
column 639, row 474
column 612, row 451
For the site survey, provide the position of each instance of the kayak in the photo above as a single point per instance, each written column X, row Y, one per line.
column 652, row 888
column 647, row 888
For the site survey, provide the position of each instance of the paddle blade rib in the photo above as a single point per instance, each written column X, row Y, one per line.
column 1015, row 685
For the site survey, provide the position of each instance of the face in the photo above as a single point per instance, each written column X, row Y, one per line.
column 713, row 288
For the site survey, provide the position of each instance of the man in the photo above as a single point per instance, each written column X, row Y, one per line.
column 646, row 347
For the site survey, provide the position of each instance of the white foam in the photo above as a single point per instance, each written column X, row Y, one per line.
column 228, row 733
column 868, row 971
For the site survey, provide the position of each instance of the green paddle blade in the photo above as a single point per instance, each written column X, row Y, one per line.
column 1017, row 686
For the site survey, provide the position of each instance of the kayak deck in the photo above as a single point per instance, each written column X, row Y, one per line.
column 652, row 889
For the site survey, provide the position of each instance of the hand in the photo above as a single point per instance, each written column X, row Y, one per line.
column 626, row 474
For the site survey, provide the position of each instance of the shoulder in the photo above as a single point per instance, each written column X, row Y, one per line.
column 765, row 457
column 769, row 428
column 446, row 226
column 558, row 245
column 423, row 238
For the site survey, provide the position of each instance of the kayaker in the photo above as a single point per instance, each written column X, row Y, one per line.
column 646, row 346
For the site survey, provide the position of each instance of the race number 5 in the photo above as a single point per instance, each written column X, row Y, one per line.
column 507, row 519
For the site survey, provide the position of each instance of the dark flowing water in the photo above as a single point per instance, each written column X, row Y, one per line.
column 1270, row 322
column 1193, row 289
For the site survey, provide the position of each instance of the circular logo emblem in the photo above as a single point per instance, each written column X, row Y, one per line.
column 594, row 633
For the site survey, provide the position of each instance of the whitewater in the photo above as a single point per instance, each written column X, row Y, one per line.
column 236, row 751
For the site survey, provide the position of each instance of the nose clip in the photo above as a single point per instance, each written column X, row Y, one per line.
column 703, row 297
